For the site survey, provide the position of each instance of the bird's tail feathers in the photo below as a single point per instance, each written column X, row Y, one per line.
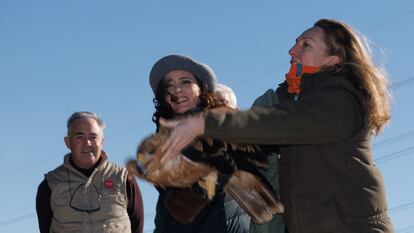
column 255, row 197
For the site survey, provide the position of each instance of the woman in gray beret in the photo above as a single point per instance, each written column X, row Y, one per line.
column 182, row 85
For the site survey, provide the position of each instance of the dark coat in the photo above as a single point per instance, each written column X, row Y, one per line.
column 328, row 179
column 221, row 215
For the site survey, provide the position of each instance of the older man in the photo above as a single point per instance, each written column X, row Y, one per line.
column 87, row 193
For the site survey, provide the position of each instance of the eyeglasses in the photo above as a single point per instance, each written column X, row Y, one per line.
column 85, row 199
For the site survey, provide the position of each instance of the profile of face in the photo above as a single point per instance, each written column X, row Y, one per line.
column 85, row 140
column 183, row 91
column 310, row 49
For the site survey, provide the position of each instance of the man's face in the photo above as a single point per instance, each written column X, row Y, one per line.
column 85, row 140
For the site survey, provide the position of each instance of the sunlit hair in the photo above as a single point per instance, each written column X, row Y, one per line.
column 78, row 115
column 355, row 57
column 163, row 109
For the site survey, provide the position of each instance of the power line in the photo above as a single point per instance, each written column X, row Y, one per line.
column 33, row 213
column 402, row 207
column 406, row 229
column 394, row 155
column 127, row 129
column 16, row 219
column 259, row 76
column 24, row 169
column 389, row 21
column 25, row 216
column 15, row 210
column 402, row 83
column 394, row 139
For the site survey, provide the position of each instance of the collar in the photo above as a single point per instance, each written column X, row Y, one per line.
column 68, row 163
column 294, row 76
column 335, row 76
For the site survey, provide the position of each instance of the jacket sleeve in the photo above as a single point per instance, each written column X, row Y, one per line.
column 135, row 206
column 320, row 116
column 43, row 210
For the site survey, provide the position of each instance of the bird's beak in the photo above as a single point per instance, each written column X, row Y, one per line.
column 141, row 168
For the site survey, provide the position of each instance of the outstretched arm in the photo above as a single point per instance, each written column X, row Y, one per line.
column 185, row 131
column 325, row 115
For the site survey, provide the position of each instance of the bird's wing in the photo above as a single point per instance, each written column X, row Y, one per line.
column 254, row 196
column 179, row 172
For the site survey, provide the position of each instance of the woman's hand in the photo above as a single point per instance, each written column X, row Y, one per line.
column 184, row 132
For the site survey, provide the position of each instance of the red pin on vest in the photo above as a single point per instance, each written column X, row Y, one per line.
column 108, row 183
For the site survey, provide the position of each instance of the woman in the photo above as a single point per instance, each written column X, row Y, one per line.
column 323, row 125
column 184, row 86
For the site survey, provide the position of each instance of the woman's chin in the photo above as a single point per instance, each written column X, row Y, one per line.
column 182, row 109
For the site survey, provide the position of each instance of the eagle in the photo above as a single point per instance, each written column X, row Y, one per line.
column 202, row 162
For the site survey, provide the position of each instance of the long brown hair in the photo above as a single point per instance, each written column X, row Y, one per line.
column 354, row 54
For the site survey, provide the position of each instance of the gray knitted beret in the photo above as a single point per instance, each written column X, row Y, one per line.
column 202, row 72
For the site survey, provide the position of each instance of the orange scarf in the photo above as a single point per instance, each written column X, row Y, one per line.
column 294, row 77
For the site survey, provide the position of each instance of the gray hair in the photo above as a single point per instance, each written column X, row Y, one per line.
column 226, row 94
column 78, row 115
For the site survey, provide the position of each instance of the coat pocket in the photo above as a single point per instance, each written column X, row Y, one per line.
column 321, row 218
column 316, row 210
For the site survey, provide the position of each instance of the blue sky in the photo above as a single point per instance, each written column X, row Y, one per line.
column 58, row 56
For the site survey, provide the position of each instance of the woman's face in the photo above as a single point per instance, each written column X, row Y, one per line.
column 183, row 91
column 310, row 49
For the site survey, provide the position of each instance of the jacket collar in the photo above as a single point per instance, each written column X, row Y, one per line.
column 339, row 76
column 101, row 163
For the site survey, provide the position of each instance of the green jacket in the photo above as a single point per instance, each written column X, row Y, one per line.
column 328, row 179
